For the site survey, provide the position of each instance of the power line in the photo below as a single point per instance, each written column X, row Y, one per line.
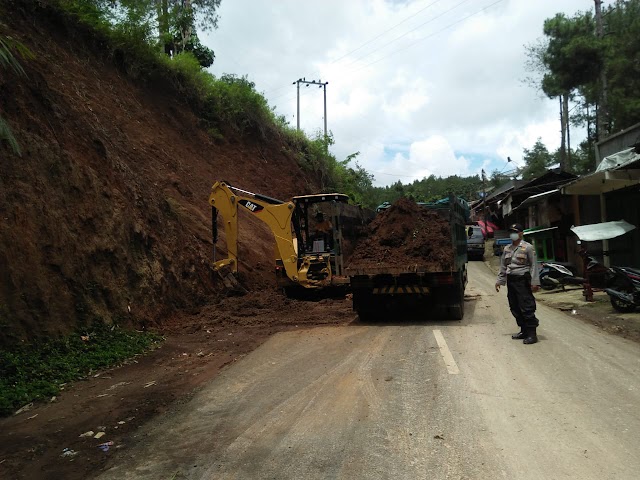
column 393, row 174
column 370, row 41
column 382, row 34
column 430, row 35
column 408, row 32
column 388, row 43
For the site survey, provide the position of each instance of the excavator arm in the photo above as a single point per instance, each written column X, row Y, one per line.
column 226, row 199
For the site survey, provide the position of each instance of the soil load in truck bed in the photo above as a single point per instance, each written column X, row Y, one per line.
column 404, row 236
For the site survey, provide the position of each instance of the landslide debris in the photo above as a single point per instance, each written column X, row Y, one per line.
column 105, row 217
column 406, row 234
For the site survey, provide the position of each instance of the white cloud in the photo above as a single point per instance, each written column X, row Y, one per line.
column 456, row 94
column 430, row 156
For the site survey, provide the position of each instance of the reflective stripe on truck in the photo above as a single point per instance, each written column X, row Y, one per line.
column 399, row 289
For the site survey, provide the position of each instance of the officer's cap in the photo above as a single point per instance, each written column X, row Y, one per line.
column 516, row 227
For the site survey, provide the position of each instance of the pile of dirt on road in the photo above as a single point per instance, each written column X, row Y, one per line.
column 403, row 235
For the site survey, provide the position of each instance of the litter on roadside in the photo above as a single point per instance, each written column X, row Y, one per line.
column 119, row 384
column 90, row 433
column 32, row 417
column 121, row 422
column 99, row 435
column 25, row 408
column 68, row 453
column 105, row 446
column 150, row 384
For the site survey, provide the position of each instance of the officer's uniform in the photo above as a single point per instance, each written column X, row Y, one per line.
column 519, row 270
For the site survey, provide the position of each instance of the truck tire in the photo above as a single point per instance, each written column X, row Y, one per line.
column 456, row 311
column 367, row 316
column 456, row 308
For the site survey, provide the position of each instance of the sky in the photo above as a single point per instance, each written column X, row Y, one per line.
column 417, row 87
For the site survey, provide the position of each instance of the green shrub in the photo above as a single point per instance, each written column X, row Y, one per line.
column 36, row 371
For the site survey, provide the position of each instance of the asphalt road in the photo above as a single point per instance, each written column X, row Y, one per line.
column 434, row 399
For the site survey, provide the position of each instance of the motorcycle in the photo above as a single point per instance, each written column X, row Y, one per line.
column 624, row 289
column 553, row 275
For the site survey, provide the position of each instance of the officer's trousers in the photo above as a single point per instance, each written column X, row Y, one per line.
column 521, row 300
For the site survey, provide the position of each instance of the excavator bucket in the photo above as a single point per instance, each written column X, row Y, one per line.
column 231, row 283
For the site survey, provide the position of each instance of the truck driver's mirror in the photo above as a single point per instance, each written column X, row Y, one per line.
column 470, row 232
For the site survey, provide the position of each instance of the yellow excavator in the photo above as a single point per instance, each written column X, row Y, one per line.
column 308, row 231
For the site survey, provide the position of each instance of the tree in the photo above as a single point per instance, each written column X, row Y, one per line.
column 584, row 159
column 8, row 61
column 171, row 24
column 537, row 160
column 572, row 57
column 177, row 23
column 356, row 181
column 622, row 57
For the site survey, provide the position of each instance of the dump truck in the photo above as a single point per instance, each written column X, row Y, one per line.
column 388, row 277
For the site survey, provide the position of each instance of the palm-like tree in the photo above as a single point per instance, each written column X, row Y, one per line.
column 8, row 60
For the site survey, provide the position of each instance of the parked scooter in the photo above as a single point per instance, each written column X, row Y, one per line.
column 624, row 290
column 553, row 275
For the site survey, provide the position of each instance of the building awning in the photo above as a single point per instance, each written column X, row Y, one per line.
column 602, row 231
column 602, row 182
column 533, row 231
column 615, row 175
column 536, row 198
column 620, row 159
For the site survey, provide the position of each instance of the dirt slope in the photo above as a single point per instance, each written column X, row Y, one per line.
column 107, row 209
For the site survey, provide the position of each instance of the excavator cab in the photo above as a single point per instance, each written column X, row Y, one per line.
column 318, row 228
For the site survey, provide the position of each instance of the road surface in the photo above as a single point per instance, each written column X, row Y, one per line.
column 434, row 399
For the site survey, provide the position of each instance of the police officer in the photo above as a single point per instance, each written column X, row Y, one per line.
column 519, row 271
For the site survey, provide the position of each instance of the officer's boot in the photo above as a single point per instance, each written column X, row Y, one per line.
column 520, row 335
column 530, row 336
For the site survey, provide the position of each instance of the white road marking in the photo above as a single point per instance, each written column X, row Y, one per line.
column 452, row 367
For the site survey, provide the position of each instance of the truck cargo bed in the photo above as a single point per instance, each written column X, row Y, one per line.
column 413, row 258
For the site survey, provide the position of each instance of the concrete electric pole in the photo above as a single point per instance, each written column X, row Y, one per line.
column 320, row 84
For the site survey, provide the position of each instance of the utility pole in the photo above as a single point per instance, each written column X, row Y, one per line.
column 324, row 85
column 602, row 122
column 484, row 197
column 297, row 82
column 320, row 84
